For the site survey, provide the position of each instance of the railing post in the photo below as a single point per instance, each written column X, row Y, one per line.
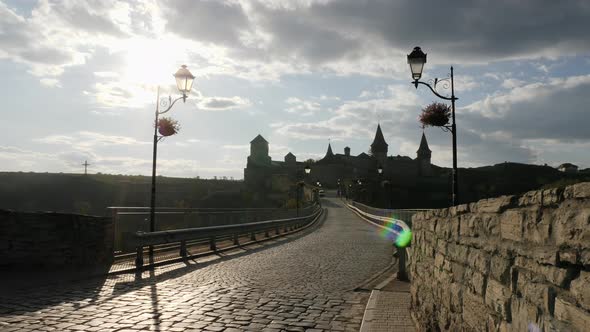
column 277, row 232
column 139, row 257
column 402, row 274
column 253, row 236
column 237, row 239
column 183, row 248
column 266, row 233
column 212, row 245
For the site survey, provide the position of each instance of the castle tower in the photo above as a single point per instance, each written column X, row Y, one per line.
column 379, row 146
column 259, row 151
column 423, row 157
column 290, row 158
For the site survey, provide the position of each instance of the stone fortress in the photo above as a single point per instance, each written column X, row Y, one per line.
column 404, row 180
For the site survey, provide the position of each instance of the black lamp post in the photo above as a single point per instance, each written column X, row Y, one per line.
column 416, row 60
column 300, row 185
column 184, row 83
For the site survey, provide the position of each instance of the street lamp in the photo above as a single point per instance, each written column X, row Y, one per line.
column 300, row 185
column 184, row 83
column 416, row 60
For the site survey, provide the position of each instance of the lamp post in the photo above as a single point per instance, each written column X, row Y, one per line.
column 416, row 60
column 300, row 185
column 184, row 83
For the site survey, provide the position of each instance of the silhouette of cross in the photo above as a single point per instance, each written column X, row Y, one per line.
column 85, row 164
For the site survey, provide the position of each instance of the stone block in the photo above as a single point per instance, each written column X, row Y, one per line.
column 568, row 256
column 571, row 226
column 500, row 269
column 479, row 260
column 475, row 313
column 458, row 271
column 497, row 297
column 531, row 198
column 537, row 226
column 475, row 281
column 457, row 252
column 523, row 314
column 567, row 312
column 456, row 298
column 459, row 210
column 580, row 289
column 552, row 196
column 495, row 205
column 578, row 190
column 438, row 261
column 511, row 225
column 557, row 276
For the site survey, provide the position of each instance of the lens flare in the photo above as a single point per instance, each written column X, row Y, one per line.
column 404, row 238
column 395, row 232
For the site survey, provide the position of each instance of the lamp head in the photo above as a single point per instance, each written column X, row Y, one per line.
column 416, row 60
column 307, row 169
column 184, row 81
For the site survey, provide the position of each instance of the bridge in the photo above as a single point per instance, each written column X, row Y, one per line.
column 313, row 279
column 511, row 263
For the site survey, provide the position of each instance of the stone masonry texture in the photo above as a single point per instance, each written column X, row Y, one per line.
column 303, row 284
column 53, row 240
column 512, row 263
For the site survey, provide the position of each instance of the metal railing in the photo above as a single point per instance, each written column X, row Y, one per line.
column 394, row 221
column 212, row 234
column 128, row 220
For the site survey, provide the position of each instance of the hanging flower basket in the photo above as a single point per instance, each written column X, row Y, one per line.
column 168, row 126
column 435, row 115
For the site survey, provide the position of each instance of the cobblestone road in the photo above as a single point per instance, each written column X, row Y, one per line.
column 302, row 284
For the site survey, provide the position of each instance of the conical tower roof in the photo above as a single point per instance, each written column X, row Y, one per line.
column 258, row 139
column 379, row 144
column 423, row 145
column 329, row 153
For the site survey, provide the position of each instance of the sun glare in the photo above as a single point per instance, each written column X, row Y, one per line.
column 152, row 62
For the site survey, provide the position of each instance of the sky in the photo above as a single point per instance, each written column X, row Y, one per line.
column 79, row 81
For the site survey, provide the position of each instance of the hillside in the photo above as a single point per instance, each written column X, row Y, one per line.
column 93, row 193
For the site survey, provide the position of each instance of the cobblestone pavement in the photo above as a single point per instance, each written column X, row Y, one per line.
column 302, row 284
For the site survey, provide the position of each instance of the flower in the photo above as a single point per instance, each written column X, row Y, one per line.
column 436, row 115
column 168, row 126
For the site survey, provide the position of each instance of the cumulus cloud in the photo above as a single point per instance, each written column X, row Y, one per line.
column 223, row 103
column 552, row 109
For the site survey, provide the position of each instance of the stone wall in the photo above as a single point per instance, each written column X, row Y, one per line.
column 47, row 239
column 512, row 263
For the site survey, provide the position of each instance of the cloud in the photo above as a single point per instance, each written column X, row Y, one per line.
column 86, row 139
column 552, row 109
column 223, row 103
column 302, row 107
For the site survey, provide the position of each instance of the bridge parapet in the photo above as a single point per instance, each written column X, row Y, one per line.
column 128, row 220
column 512, row 263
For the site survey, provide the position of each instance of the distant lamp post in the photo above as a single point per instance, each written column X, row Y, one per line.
column 380, row 170
column 416, row 60
column 301, row 184
column 184, row 83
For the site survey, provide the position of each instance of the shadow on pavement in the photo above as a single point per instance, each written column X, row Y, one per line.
column 192, row 265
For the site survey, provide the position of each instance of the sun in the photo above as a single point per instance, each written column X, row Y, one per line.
column 152, row 62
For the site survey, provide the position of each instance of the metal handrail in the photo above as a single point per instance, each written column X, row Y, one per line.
column 140, row 239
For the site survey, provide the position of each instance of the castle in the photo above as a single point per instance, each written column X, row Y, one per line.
column 407, row 179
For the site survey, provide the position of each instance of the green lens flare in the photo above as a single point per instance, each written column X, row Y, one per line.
column 403, row 239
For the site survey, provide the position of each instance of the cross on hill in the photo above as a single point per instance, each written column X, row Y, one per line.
column 86, row 164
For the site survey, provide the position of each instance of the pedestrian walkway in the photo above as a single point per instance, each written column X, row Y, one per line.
column 388, row 308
